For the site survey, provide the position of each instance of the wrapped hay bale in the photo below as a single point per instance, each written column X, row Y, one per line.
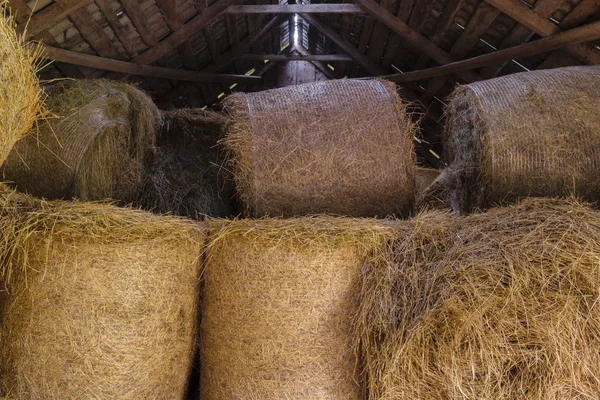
column 93, row 148
column 278, row 302
column 95, row 301
column 20, row 94
column 528, row 134
column 502, row 305
column 186, row 177
column 342, row 147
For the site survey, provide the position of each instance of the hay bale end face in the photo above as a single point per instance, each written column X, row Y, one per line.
column 341, row 147
column 21, row 97
column 278, row 302
column 94, row 147
column 96, row 301
column 187, row 177
column 501, row 305
column 527, row 134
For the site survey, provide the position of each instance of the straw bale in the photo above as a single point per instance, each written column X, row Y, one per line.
column 527, row 134
column 424, row 178
column 95, row 146
column 21, row 97
column 186, row 177
column 501, row 305
column 341, row 147
column 278, row 301
column 95, row 301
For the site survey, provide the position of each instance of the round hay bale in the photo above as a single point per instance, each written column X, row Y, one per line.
column 527, row 134
column 186, row 177
column 278, row 301
column 501, row 305
column 21, row 97
column 96, row 301
column 342, row 147
column 93, row 148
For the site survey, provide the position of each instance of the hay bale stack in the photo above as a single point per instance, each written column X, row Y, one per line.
column 187, row 177
column 278, row 302
column 528, row 134
column 502, row 305
column 342, row 147
column 93, row 148
column 20, row 94
column 96, row 301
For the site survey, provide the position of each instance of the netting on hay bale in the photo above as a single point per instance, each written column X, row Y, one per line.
column 21, row 96
column 186, row 177
column 95, row 301
column 527, row 134
column 278, row 301
column 501, row 305
column 342, row 147
column 94, row 147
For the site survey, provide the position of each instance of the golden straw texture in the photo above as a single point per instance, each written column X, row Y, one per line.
column 501, row 305
column 278, row 301
column 340, row 147
column 21, row 97
column 96, row 302
column 528, row 134
column 94, row 147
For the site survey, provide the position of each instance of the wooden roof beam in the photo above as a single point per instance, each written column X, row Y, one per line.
column 182, row 34
column 49, row 16
column 297, row 57
column 414, row 38
column 572, row 37
column 296, row 9
column 345, row 46
column 129, row 68
column 543, row 27
column 482, row 18
column 329, row 74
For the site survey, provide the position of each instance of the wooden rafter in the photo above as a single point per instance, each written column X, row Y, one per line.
column 243, row 47
column 179, row 36
column 414, row 38
column 482, row 18
column 296, row 9
column 442, row 26
column 50, row 15
column 130, row 68
column 297, row 57
column 345, row 46
column 574, row 36
column 543, row 27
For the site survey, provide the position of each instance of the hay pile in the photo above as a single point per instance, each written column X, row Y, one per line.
column 502, row 305
column 20, row 94
column 278, row 302
column 95, row 146
column 340, row 147
column 95, row 301
column 424, row 177
column 186, row 177
column 528, row 134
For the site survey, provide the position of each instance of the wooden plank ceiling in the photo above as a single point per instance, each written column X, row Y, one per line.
column 194, row 52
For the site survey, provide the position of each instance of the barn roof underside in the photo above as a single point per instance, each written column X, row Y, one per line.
column 192, row 53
